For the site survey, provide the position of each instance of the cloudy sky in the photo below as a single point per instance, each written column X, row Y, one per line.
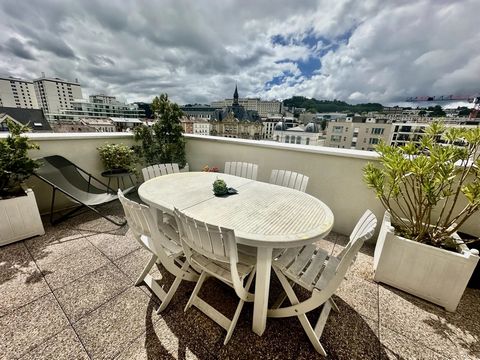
column 357, row 51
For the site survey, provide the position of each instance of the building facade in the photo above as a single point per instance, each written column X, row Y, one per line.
column 19, row 93
column 199, row 111
column 55, row 95
column 101, row 106
column 263, row 107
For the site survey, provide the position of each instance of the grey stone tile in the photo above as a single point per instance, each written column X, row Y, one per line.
column 133, row 263
column 159, row 342
column 73, row 266
column 54, row 251
column 114, row 246
column 90, row 291
column 428, row 324
column 56, row 242
column 396, row 346
column 109, row 329
column 29, row 326
column 20, row 280
column 360, row 295
column 63, row 346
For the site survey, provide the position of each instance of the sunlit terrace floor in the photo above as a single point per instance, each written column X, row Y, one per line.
column 70, row 295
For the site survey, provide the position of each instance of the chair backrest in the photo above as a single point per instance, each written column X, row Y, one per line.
column 141, row 222
column 156, row 170
column 243, row 169
column 289, row 179
column 206, row 239
column 67, row 176
column 334, row 274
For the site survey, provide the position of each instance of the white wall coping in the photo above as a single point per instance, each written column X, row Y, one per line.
column 75, row 136
column 350, row 153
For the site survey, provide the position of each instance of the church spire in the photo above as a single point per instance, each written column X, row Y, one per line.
column 235, row 96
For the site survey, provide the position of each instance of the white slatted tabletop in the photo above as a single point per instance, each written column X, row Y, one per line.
column 263, row 215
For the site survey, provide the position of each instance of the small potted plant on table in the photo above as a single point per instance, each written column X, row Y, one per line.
column 429, row 190
column 20, row 218
column 119, row 161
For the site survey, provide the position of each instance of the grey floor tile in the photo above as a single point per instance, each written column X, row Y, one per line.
column 159, row 342
column 133, row 263
column 73, row 266
column 114, row 246
column 360, row 295
column 63, row 346
column 31, row 325
column 109, row 329
column 396, row 346
column 425, row 323
column 20, row 280
column 90, row 291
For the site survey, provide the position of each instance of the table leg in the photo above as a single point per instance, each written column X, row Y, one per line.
column 262, row 287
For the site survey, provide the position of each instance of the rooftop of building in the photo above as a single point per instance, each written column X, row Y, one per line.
column 33, row 118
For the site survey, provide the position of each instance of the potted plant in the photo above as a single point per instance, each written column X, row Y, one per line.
column 429, row 189
column 18, row 207
column 117, row 158
column 163, row 142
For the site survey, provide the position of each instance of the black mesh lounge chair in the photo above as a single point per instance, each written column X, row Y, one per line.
column 76, row 183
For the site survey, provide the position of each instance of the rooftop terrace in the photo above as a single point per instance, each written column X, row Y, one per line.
column 69, row 295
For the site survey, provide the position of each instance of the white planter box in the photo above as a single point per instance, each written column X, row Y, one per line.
column 431, row 273
column 19, row 218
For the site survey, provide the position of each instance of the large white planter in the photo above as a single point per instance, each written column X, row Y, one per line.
column 19, row 218
column 431, row 273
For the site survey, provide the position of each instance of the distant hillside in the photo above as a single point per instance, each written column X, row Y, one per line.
column 314, row 105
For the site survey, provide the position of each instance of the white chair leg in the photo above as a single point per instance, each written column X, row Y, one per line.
column 234, row 320
column 302, row 317
column 201, row 279
column 334, row 305
column 146, row 270
column 172, row 290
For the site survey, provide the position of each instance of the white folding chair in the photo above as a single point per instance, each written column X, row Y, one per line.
column 163, row 242
column 319, row 273
column 156, row 170
column 289, row 179
column 242, row 169
column 213, row 251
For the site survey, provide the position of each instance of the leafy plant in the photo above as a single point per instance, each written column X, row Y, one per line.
column 421, row 184
column 15, row 164
column 117, row 156
column 220, row 187
column 164, row 141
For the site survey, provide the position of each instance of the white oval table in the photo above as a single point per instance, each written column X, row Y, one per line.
column 263, row 216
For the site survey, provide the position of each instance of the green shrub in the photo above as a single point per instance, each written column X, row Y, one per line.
column 117, row 156
column 220, row 187
column 15, row 164
column 420, row 184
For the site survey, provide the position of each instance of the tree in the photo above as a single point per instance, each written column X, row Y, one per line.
column 436, row 111
column 164, row 141
column 422, row 113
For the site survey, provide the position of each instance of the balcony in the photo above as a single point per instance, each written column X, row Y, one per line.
column 70, row 293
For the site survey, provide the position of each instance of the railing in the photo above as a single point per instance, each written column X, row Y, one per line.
column 336, row 175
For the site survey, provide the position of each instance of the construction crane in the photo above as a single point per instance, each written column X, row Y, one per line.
column 475, row 109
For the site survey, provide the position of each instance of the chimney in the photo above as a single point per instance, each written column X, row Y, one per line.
column 76, row 80
column 43, row 74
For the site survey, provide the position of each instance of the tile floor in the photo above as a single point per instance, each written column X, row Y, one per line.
column 70, row 295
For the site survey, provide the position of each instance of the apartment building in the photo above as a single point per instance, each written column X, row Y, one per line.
column 198, row 111
column 263, row 107
column 55, row 95
column 357, row 132
column 101, row 106
column 17, row 93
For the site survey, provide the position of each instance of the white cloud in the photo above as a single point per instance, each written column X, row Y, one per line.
column 196, row 51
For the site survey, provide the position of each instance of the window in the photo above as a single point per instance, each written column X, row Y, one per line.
column 287, row 139
column 377, row 131
column 307, row 141
column 373, row 141
column 337, row 129
column 299, row 140
column 335, row 138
